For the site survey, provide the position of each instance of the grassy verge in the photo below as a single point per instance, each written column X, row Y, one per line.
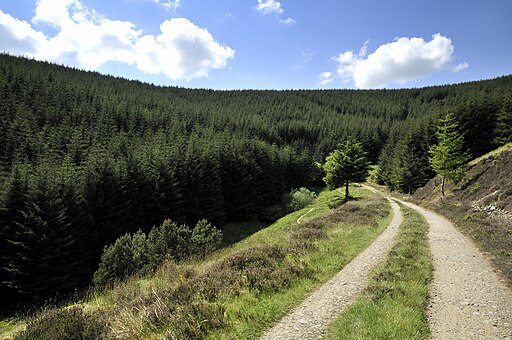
column 393, row 305
column 236, row 293
column 249, row 314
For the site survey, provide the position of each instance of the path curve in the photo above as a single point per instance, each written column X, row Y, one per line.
column 311, row 318
column 468, row 299
column 301, row 216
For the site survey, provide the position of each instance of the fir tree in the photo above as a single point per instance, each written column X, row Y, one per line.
column 503, row 131
column 346, row 164
column 447, row 155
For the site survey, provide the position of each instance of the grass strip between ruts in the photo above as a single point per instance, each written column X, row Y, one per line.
column 394, row 304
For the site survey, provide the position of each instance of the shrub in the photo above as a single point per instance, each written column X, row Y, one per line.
column 66, row 324
column 205, row 238
column 117, row 262
column 300, row 198
column 196, row 319
column 141, row 254
column 169, row 240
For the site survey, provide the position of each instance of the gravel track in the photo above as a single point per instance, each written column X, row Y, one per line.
column 311, row 318
column 468, row 299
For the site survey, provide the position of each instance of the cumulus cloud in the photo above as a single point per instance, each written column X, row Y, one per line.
column 88, row 40
column 326, row 78
column 460, row 67
column 18, row 37
column 269, row 6
column 401, row 61
column 289, row 21
column 273, row 7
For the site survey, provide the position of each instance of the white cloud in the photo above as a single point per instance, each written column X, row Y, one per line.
column 88, row 40
column 460, row 67
column 326, row 78
column 269, row 6
column 401, row 61
column 364, row 49
column 289, row 21
column 306, row 56
column 168, row 4
column 18, row 37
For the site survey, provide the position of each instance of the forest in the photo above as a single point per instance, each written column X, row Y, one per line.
column 86, row 158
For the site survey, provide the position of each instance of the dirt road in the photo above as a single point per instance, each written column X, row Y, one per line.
column 468, row 299
column 310, row 320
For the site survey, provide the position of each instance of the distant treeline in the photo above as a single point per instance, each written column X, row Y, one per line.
column 85, row 158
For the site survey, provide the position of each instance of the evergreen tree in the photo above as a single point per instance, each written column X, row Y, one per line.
column 447, row 155
column 503, row 131
column 346, row 164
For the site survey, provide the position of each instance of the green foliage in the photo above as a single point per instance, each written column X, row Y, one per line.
column 169, row 241
column 403, row 164
column 117, row 262
column 299, row 198
column 448, row 155
column 138, row 253
column 205, row 238
column 346, row 164
column 503, row 131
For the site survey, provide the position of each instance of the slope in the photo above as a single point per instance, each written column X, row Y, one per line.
column 481, row 205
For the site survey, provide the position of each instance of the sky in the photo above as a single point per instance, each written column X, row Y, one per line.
column 267, row 44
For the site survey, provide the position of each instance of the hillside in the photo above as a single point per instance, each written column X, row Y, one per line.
column 480, row 204
column 86, row 158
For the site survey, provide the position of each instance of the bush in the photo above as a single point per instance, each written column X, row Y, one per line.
column 142, row 254
column 300, row 198
column 117, row 262
column 169, row 241
column 65, row 324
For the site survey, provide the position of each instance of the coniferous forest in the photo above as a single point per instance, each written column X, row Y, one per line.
column 86, row 158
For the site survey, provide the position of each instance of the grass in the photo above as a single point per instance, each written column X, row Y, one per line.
column 493, row 153
column 250, row 314
column 393, row 306
column 9, row 327
column 237, row 292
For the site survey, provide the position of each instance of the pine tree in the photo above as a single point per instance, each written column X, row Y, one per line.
column 503, row 131
column 447, row 155
column 346, row 164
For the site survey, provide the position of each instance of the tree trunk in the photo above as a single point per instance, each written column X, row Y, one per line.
column 346, row 192
column 442, row 186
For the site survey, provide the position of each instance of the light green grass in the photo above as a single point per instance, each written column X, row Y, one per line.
column 493, row 153
column 9, row 327
column 393, row 305
column 275, row 233
column 249, row 315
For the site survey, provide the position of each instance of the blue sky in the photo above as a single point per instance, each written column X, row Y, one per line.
column 268, row 44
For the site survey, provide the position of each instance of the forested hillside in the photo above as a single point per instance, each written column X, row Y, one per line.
column 85, row 158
